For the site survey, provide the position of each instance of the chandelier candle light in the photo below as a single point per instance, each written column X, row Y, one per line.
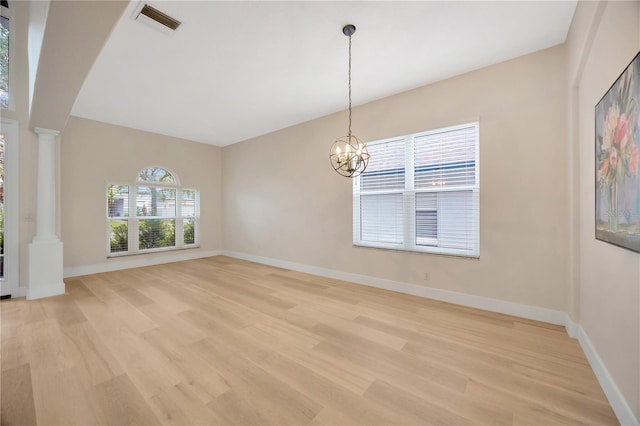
column 348, row 155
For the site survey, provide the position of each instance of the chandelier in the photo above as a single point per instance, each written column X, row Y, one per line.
column 348, row 155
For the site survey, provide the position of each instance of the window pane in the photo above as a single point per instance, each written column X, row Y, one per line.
column 153, row 201
column 118, row 200
column 188, row 202
column 427, row 219
column 156, row 174
column 189, row 231
column 155, row 233
column 445, row 159
column 119, row 235
column 381, row 218
column 4, row 62
column 386, row 166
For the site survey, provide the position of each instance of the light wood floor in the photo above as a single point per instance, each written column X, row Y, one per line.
column 223, row 341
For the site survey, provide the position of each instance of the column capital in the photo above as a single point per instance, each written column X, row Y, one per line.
column 41, row 131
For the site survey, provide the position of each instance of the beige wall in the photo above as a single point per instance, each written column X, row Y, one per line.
column 282, row 200
column 609, row 276
column 94, row 153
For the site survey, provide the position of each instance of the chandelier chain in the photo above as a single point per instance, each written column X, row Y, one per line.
column 349, row 86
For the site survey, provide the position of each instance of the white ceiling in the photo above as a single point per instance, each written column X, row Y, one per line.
column 239, row 69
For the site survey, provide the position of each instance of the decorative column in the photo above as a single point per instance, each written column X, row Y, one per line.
column 45, row 251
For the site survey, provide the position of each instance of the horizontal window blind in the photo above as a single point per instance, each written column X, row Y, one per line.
column 420, row 192
column 386, row 167
column 450, row 223
column 118, row 235
column 156, row 233
column 382, row 218
column 118, row 213
column 189, row 213
column 445, row 158
column 188, row 203
column 189, row 231
column 427, row 219
column 118, row 200
column 154, row 201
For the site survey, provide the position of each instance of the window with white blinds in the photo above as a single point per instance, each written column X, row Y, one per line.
column 152, row 215
column 420, row 192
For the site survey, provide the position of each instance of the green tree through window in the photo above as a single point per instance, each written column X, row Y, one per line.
column 4, row 62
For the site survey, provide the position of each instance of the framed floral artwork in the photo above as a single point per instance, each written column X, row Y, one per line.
column 617, row 155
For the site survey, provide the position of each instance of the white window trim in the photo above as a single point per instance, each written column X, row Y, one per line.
column 8, row 13
column 409, row 193
column 12, row 221
column 134, row 220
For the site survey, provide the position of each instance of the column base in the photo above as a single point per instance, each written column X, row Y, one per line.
column 45, row 269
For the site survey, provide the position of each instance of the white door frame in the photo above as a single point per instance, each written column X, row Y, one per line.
column 11, row 281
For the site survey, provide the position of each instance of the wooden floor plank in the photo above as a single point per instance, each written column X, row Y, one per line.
column 414, row 409
column 118, row 402
column 222, row 341
column 270, row 396
column 16, row 401
column 351, row 407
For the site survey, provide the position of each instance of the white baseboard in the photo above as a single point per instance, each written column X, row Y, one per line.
column 494, row 305
column 19, row 292
column 616, row 399
column 572, row 327
column 116, row 264
column 45, row 291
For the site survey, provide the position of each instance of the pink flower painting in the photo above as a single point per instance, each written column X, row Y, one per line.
column 617, row 161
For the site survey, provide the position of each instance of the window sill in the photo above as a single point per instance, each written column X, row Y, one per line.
column 445, row 253
column 151, row 251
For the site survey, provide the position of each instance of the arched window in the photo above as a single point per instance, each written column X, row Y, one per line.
column 153, row 214
column 156, row 174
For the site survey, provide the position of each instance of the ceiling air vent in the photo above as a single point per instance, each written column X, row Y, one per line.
column 161, row 18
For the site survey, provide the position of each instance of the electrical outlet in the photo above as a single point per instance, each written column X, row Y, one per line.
column 427, row 276
column 29, row 217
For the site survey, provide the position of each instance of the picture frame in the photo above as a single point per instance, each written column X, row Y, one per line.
column 617, row 157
